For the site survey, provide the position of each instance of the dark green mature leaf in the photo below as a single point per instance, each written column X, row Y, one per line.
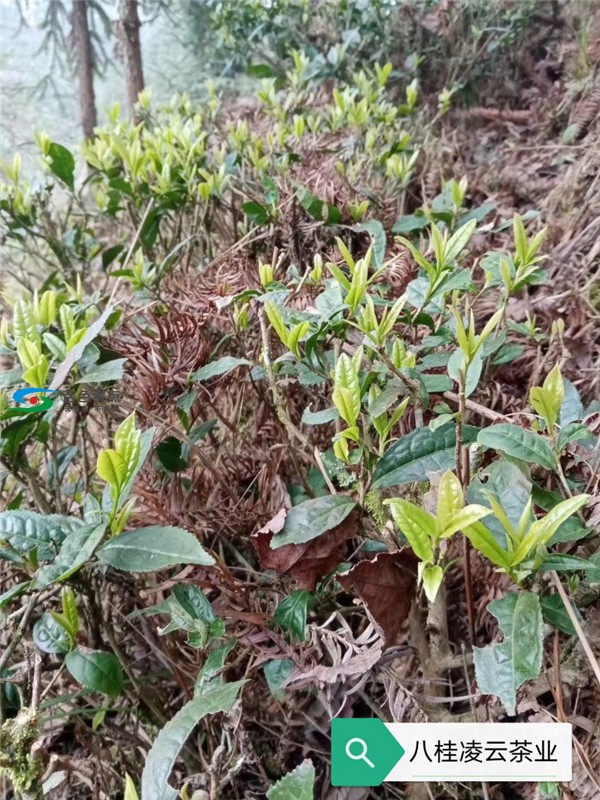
column 316, row 208
column 378, row 239
column 212, row 672
column 75, row 551
column 170, row 454
column 419, row 452
column 313, row 517
column 257, row 213
column 593, row 570
column 410, row 223
column 501, row 669
column 62, row 163
column 25, row 531
column 220, row 367
column 573, row 432
column 152, row 548
column 572, row 407
column 562, row 562
column 50, row 636
column 555, row 613
column 296, row 785
column 519, row 443
column 276, row 673
column 13, row 592
column 96, row 670
column 291, row 614
column 58, row 467
column 170, row 740
column 194, row 601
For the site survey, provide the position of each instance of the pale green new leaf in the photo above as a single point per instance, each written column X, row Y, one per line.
column 450, row 499
column 432, row 578
column 459, row 240
column 112, row 468
column 416, row 524
column 463, row 518
column 520, row 237
column 346, row 393
column 127, row 442
column 276, row 320
column 544, row 529
column 484, row 540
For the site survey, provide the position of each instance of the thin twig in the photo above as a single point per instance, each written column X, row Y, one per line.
column 576, row 624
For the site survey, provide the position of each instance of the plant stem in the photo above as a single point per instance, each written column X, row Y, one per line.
column 462, row 473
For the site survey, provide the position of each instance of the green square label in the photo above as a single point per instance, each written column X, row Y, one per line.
column 363, row 752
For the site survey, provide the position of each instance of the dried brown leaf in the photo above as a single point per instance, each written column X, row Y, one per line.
column 387, row 586
column 307, row 562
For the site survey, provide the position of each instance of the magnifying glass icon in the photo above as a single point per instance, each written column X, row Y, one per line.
column 359, row 756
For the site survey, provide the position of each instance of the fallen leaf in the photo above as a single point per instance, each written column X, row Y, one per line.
column 387, row 586
column 307, row 562
column 351, row 657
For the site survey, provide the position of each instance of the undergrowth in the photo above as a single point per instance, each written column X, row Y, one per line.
column 268, row 463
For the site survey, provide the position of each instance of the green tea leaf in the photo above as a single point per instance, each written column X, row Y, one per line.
column 554, row 613
column 291, row 614
column 416, row 524
column 62, row 163
column 312, row 518
column 152, row 548
column 25, row 531
column 276, row 674
column 96, row 670
column 484, row 540
column 107, row 372
column 319, row 417
column 519, row 443
column 501, row 669
column 50, row 636
column 432, row 580
column 170, row 740
column 75, row 551
column 296, row 785
column 378, row 239
column 419, row 452
column 257, row 213
column 220, row 367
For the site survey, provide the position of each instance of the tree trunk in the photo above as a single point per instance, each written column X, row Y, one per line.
column 85, row 67
column 128, row 27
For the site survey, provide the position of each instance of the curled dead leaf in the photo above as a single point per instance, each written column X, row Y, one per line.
column 307, row 563
column 387, row 586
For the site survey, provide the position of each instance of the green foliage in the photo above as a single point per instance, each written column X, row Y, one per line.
column 501, row 669
column 172, row 737
column 96, row 670
column 424, row 531
column 298, row 784
column 291, row 614
column 367, row 388
column 152, row 548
